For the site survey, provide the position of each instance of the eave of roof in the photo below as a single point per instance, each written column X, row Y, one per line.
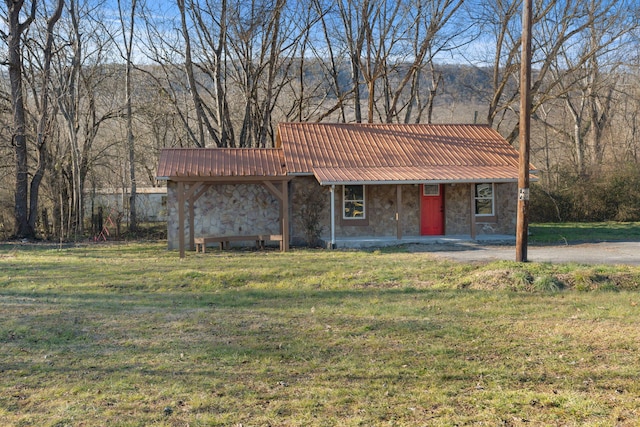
column 220, row 163
column 415, row 175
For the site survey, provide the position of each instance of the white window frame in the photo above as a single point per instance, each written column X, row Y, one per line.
column 363, row 200
column 492, row 198
column 424, row 189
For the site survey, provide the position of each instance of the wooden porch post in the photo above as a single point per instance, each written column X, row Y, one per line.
column 283, row 196
column 181, row 218
column 399, row 211
column 285, row 216
column 333, row 216
column 191, row 224
column 191, row 197
column 472, row 204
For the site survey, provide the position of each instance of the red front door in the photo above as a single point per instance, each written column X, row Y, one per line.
column 432, row 209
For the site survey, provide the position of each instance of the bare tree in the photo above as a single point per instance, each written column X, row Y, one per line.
column 242, row 50
column 26, row 195
column 330, row 60
column 389, row 49
column 584, row 76
column 355, row 15
column 84, row 101
column 127, row 36
column 261, row 46
column 557, row 25
column 201, row 118
column 14, row 60
column 432, row 32
column 167, row 76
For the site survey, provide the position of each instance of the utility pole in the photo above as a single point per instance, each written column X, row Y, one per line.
column 522, row 229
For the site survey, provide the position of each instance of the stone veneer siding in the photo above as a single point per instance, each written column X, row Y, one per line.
column 226, row 210
column 381, row 209
column 458, row 210
column 506, row 206
column 251, row 209
column 380, row 205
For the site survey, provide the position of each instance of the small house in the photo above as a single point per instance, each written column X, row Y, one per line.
column 367, row 182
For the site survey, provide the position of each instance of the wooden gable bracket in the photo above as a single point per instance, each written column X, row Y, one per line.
column 274, row 190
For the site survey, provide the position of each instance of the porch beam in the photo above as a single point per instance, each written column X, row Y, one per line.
column 472, row 204
column 192, row 224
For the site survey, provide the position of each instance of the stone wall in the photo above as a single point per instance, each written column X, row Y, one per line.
column 506, row 206
column 458, row 210
column 251, row 209
column 226, row 210
column 380, row 211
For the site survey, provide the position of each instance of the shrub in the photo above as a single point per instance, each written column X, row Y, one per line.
column 521, row 280
column 598, row 195
column 313, row 204
column 547, row 283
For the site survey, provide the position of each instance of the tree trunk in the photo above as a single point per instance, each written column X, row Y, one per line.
column 43, row 123
column 133, row 217
column 15, row 29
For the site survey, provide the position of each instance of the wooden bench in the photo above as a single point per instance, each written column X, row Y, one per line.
column 225, row 241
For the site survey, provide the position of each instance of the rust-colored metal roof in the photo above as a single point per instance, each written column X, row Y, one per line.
column 220, row 162
column 358, row 153
column 339, row 153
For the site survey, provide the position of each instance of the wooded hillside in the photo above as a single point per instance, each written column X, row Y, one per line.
column 92, row 90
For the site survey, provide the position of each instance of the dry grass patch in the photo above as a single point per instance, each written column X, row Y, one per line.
column 130, row 335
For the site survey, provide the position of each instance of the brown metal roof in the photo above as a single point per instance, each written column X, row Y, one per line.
column 339, row 153
column 358, row 153
column 220, row 162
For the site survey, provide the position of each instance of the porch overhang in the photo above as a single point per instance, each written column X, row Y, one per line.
column 416, row 175
column 190, row 189
column 194, row 170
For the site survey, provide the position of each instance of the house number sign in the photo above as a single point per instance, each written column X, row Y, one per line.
column 523, row 194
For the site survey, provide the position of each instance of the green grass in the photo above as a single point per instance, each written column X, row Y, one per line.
column 130, row 335
column 571, row 232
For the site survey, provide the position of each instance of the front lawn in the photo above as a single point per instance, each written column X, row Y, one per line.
column 128, row 335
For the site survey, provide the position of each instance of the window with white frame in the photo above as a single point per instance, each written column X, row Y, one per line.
column 431, row 190
column 484, row 198
column 353, row 202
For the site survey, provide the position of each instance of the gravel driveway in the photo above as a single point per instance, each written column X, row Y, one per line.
column 585, row 253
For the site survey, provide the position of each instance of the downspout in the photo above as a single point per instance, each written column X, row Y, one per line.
column 333, row 217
